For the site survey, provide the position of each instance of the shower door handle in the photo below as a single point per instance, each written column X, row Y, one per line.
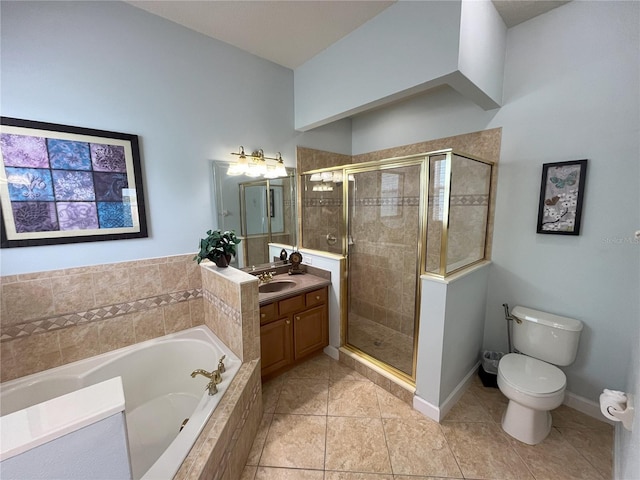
column 331, row 239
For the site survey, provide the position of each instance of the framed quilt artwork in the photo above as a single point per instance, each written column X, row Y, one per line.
column 64, row 184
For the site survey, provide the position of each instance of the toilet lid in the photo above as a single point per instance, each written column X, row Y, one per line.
column 530, row 375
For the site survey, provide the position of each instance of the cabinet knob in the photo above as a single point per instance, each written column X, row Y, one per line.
column 297, row 318
column 288, row 322
column 317, row 297
column 262, row 315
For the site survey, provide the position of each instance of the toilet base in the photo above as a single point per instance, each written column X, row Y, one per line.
column 526, row 424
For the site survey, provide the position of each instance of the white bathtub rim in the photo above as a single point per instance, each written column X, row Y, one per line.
column 88, row 365
column 167, row 465
column 41, row 423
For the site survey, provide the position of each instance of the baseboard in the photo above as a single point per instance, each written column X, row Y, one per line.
column 332, row 352
column 586, row 406
column 425, row 408
column 438, row 413
column 457, row 392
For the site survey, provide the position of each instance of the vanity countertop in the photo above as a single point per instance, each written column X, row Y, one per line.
column 303, row 283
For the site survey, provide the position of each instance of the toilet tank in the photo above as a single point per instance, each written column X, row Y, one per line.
column 545, row 336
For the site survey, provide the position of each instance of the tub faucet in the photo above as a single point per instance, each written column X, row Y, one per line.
column 211, row 386
column 214, row 376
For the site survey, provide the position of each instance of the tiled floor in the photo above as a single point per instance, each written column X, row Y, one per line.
column 324, row 421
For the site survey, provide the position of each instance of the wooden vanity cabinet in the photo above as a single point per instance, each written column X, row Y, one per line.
column 292, row 329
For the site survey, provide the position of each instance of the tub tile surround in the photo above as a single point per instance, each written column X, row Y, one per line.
column 231, row 311
column 47, row 322
column 56, row 317
column 223, row 446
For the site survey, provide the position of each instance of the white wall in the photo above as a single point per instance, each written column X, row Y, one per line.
column 450, row 338
column 406, row 49
column 571, row 91
column 191, row 99
column 627, row 453
column 97, row 451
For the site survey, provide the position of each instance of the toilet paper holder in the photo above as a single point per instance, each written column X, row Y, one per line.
column 617, row 406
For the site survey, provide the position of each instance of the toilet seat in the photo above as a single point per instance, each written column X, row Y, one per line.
column 531, row 376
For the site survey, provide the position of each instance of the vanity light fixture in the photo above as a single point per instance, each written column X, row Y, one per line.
column 335, row 177
column 256, row 164
column 322, row 187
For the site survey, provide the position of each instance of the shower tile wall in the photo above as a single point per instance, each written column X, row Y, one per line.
column 383, row 256
column 60, row 316
column 321, row 213
column 483, row 144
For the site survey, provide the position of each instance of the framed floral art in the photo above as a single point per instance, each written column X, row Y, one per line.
column 561, row 196
column 65, row 184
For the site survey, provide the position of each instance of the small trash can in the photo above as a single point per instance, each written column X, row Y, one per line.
column 488, row 371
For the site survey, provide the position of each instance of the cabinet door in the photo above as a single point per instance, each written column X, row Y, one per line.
column 275, row 345
column 310, row 331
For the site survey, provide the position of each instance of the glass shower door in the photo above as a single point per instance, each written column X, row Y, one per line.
column 383, row 254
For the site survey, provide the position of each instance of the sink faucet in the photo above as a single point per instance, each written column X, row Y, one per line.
column 265, row 277
column 214, row 376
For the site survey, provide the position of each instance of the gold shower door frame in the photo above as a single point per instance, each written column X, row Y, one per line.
column 243, row 208
column 420, row 160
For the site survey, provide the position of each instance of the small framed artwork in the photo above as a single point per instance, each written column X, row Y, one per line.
column 561, row 196
column 64, row 184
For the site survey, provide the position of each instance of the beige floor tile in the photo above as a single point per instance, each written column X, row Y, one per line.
column 248, row 473
column 555, row 458
column 564, row 416
column 268, row 473
column 316, row 367
column 418, row 447
column 296, row 441
column 348, row 398
column 271, row 393
column 492, row 400
column 258, row 442
column 357, row 476
column 596, row 445
column 468, row 409
column 483, row 451
column 413, row 477
column 392, row 407
column 304, row 396
column 356, row 444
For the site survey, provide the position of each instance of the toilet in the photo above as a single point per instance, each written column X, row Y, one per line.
column 529, row 378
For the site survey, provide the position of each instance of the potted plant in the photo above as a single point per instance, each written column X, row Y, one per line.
column 218, row 247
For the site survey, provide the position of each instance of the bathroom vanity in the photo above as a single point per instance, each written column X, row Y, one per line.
column 294, row 321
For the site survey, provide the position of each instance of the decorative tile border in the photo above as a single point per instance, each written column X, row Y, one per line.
column 97, row 314
column 224, row 308
column 469, row 200
column 322, row 202
column 388, row 201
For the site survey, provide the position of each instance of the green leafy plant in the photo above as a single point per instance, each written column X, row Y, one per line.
column 217, row 244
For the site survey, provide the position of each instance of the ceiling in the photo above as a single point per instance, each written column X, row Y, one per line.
column 291, row 32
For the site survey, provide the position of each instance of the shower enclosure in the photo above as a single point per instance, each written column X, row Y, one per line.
column 395, row 220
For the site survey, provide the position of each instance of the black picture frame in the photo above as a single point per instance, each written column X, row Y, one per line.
column 561, row 197
column 64, row 184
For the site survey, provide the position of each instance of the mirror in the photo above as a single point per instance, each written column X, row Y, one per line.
column 260, row 210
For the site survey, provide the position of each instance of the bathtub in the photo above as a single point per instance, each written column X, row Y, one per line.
column 158, row 390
